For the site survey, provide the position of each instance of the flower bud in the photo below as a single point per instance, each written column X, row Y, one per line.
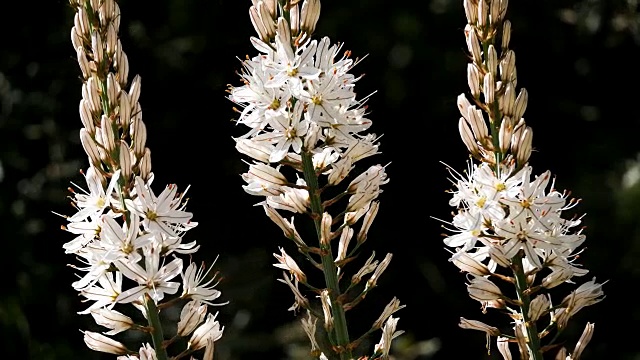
column 90, row 147
column 538, row 307
column 145, row 165
column 125, row 161
column 294, row 19
column 508, row 66
column 107, row 135
column 492, row 60
column 506, row 34
column 139, row 135
column 473, row 80
column 467, row 263
column 192, row 314
column 96, row 47
column 325, row 230
column 473, row 45
column 112, row 319
column 309, row 15
column 99, row 342
column 483, row 289
column 483, row 11
column 471, row 11
column 521, row 104
column 86, row 117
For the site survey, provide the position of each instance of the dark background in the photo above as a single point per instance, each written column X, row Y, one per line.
column 577, row 59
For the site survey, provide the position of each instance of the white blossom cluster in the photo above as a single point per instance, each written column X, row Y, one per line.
column 510, row 227
column 306, row 131
column 129, row 239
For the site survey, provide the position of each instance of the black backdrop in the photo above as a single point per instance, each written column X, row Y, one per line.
column 576, row 58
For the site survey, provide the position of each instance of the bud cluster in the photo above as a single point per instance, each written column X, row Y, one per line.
column 306, row 132
column 509, row 229
column 129, row 239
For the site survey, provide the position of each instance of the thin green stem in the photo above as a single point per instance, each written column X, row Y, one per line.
column 157, row 336
column 329, row 268
column 530, row 326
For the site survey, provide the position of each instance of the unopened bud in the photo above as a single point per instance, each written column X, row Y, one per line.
column 90, row 147
column 309, row 15
column 517, row 133
column 508, row 66
column 294, row 19
column 489, row 89
column 492, row 60
column 483, row 289
column 99, row 342
column 471, row 11
column 325, row 230
column 139, row 135
column 90, row 93
column 521, row 104
column 473, row 45
column 473, row 80
column 134, row 92
column 122, row 67
column 284, row 31
column 83, row 62
column 538, row 307
column 107, row 134
column 463, row 105
column 112, row 40
column 506, row 34
column 145, row 165
column 125, row 161
column 525, row 146
column 483, row 11
column 124, row 110
column 506, row 131
column 494, row 12
column 113, row 88
column 467, row 263
column 267, row 20
column 477, row 123
column 467, row 137
column 509, row 100
column 96, row 47
column 86, row 117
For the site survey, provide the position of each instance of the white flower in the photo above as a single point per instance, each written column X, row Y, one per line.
column 287, row 131
column 95, row 201
column 152, row 279
column 163, row 213
column 196, row 287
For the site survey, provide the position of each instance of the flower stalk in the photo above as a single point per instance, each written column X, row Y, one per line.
column 157, row 335
column 329, row 268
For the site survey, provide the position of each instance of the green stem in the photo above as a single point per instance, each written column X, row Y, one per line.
column 328, row 265
column 156, row 328
column 530, row 326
